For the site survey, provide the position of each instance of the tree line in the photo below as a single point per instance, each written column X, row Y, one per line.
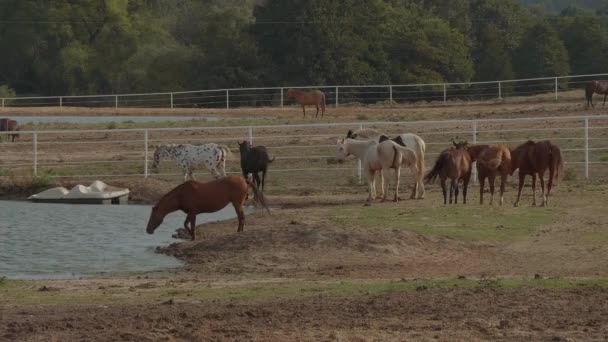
column 69, row 47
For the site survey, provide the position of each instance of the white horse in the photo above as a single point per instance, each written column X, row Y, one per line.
column 406, row 139
column 379, row 157
column 188, row 157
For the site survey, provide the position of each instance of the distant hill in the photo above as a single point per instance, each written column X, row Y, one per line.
column 558, row 5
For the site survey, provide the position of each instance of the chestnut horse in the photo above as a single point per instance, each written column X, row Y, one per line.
column 8, row 125
column 491, row 160
column 308, row 98
column 455, row 164
column 194, row 198
column 597, row 87
column 532, row 158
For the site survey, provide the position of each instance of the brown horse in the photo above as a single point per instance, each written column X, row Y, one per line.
column 8, row 125
column 597, row 87
column 194, row 198
column 455, row 164
column 532, row 158
column 308, row 98
column 491, row 160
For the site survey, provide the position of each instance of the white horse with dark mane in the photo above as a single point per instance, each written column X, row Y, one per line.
column 407, row 140
column 379, row 157
column 189, row 157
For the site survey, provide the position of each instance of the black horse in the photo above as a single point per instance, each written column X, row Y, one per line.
column 254, row 160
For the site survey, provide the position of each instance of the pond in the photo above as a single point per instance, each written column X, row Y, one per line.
column 96, row 119
column 58, row 241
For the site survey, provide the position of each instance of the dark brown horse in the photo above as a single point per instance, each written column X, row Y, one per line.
column 532, row 158
column 308, row 98
column 194, row 198
column 455, row 164
column 491, row 160
column 254, row 160
column 8, row 125
column 597, row 87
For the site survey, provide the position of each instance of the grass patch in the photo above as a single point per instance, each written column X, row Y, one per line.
column 29, row 293
column 466, row 222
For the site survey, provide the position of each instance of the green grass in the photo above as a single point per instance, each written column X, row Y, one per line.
column 27, row 293
column 466, row 222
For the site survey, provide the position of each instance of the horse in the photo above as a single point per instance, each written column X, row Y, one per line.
column 8, row 125
column 532, row 158
column 379, row 157
column 195, row 198
column 407, row 140
column 598, row 87
column 453, row 163
column 491, row 160
column 189, row 157
column 254, row 160
column 308, row 98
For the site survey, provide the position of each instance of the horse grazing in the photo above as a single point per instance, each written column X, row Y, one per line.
column 379, row 157
column 532, row 158
column 455, row 164
column 308, row 98
column 407, row 140
column 195, row 198
column 254, row 160
column 8, row 125
column 597, row 87
column 189, row 157
column 491, row 160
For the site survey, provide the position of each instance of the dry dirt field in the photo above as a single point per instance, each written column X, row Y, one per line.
column 323, row 267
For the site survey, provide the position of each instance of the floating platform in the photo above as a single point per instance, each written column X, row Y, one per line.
column 97, row 193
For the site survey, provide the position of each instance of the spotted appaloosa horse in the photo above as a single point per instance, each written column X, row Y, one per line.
column 188, row 157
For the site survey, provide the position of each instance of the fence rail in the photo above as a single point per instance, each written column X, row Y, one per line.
column 391, row 94
column 303, row 151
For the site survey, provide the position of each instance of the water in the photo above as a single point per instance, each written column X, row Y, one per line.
column 64, row 241
column 94, row 119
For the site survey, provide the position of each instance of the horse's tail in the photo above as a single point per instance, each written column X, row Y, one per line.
column 258, row 196
column 557, row 161
column 226, row 150
column 441, row 162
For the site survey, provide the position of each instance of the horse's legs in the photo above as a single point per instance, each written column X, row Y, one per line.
column 503, row 181
column 542, row 187
column 491, row 180
column 317, row 111
column 263, row 179
column 371, row 185
column 456, row 192
column 534, row 189
column 238, row 207
column 191, row 219
column 397, row 175
column 256, row 179
column 452, row 189
column 604, row 104
column 465, row 189
column 482, row 182
column 304, row 110
column 444, row 190
column 522, row 177
column 382, row 194
column 416, row 188
column 549, row 184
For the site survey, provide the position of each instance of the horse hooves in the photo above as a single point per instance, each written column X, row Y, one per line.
column 367, row 204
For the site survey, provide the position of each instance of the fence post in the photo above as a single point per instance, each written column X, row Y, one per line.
column 445, row 94
column 146, row 153
column 337, row 92
column 556, row 89
column 250, row 135
column 359, row 166
column 115, row 101
column 281, row 97
column 35, row 154
column 474, row 173
column 586, row 148
column 390, row 94
column 60, row 101
column 171, row 101
column 2, row 103
column 499, row 90
column 227, row 99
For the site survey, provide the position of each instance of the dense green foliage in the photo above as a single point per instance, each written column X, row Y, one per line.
column 56, row 47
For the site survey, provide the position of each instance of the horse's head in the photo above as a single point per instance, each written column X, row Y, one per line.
column 156, row 218
column 351, row 134
column 244, row 146
column 290, row 93
column 460, row 145
column 341, row 151
column 159, row 152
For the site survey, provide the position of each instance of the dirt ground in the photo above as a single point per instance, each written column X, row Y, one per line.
column 323, row 267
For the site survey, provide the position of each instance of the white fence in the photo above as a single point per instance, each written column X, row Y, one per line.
column 302, row 151
column 393, row 94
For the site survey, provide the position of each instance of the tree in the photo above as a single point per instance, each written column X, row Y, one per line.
column 585, row 41
column 541, row 53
